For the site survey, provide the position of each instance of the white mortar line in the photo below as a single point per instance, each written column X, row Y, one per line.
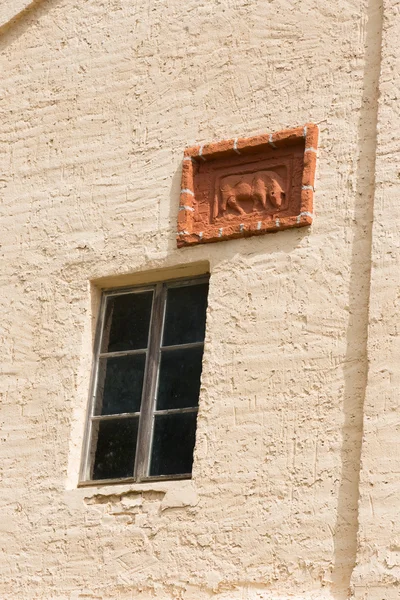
column 271, row 142
column 201, row 152
column 304, row 214
column 235, row 146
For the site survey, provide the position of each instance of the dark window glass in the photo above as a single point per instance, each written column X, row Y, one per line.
column 179, row 380
column 185, row 317
column 116, row 448
column 127, row 321
column 173, row 444
column 123, row 383
column 133, row 327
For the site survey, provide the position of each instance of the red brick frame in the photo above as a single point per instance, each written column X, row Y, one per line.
column 187, row 230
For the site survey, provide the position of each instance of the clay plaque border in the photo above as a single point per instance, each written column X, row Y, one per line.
column 247, row 186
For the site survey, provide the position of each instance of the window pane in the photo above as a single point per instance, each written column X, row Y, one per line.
column 185, row 317
column 116, row 448
column 179, row 380
column 173, row 443
column 122, row 384
column 127, row 322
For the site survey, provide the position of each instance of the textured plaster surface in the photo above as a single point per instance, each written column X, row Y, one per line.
column 11, row 9
column 377, row 576
column 98, row 101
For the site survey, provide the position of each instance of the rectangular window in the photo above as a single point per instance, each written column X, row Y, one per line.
column 146, row 382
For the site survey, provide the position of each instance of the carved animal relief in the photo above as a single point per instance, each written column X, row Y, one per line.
column 254, row 191
column 248, row 186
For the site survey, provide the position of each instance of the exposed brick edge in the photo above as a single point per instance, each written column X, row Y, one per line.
column 286, row 137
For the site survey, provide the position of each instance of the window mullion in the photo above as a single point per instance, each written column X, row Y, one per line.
column 150, row 384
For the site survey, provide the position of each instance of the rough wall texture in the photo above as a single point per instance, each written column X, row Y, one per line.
column 377, row 575
column 12, row 9
column 99, row 100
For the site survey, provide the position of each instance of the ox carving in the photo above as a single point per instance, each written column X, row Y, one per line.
column 262, row 190
column 245, row 187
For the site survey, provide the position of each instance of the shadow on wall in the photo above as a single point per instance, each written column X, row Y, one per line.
column 14, row 15
column 356, row 361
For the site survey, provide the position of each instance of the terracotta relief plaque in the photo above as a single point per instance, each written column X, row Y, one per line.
column 242, row 187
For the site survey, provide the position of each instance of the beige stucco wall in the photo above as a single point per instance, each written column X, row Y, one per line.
column 377, row 575
column 98, row 101
column 10, row 10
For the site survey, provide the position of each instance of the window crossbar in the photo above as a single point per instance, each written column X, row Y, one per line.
column 147, row 421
